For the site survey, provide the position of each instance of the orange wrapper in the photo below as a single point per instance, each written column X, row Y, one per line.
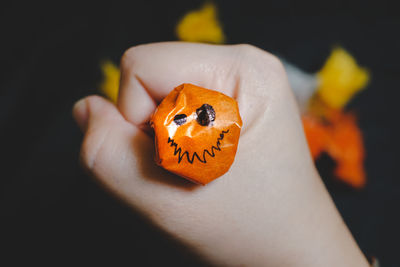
column 338, row 135
column 196, row 133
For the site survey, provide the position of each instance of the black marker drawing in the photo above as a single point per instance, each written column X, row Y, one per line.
column 178, row 150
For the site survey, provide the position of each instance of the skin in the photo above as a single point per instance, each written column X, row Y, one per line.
column 270, row 209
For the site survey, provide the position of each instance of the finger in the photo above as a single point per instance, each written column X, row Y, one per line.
column 134, row 99
column 106, row 142
column 81, row 114
column 120, row 156
column 150, row 72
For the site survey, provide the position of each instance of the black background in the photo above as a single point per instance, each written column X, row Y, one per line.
column 52, row 213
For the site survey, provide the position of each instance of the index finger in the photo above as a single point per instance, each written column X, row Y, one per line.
column 150, row 72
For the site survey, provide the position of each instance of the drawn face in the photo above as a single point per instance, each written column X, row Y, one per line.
column 197, row 132
column 204, row 116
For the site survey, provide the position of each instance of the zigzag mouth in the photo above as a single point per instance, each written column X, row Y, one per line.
column 178, row 150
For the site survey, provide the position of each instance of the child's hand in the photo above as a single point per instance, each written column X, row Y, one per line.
column 271, row 208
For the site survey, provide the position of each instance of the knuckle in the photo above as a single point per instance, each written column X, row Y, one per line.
column 276, row 65
column 91, row 149
column 129, row 57
column 87, row 154
column 248, row 52
column 247, row 48
column 251, row 50
column 255, row 55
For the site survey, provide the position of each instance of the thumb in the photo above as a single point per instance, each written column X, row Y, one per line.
column 81, row 113
column 120, row 156
column 106, row 150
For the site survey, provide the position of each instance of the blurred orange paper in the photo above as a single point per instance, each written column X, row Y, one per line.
column 338, row 135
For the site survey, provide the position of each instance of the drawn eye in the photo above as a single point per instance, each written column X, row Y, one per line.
column 180, row 119
column 205, row 115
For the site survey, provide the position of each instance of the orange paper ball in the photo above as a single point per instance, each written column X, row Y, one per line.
column 196, row 133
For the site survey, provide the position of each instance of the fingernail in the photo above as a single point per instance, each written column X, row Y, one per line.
column 81, row 114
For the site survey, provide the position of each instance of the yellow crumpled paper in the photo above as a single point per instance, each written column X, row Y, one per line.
column 340, row 78
column 201, row 26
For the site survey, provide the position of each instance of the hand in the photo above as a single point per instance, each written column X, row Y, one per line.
column 271, row 208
